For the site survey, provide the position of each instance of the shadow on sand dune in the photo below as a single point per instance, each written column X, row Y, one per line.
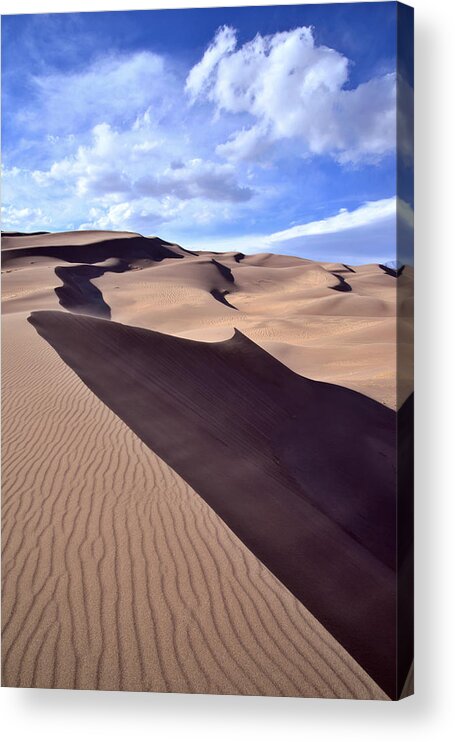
column 224, row 270
column 129, row 249
column 342, row 285
column 78, row 293
column 394, row 272
column 303, row 472
column 221, row 297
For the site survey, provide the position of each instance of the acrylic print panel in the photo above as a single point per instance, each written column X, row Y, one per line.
column 207, row 350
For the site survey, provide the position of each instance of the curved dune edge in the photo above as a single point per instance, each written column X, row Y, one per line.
column 231, row 408
column 117, row 575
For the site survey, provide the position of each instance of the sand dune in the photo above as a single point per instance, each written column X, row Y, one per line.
column 116, row 574
column 293, row 311
column 91, row 240
column 138, row 566
column 89, row 247
column 289, row 306
column 253, row 439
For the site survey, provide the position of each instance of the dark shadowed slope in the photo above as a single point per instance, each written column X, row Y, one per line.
column 86, row 247
column 394, row 272
column 224, row 270
column 405, row 545
column 221, row 297
column 303, row 472
column 342, row 285
column 78, row 293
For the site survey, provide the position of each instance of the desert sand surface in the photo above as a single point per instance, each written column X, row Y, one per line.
column 198, row 468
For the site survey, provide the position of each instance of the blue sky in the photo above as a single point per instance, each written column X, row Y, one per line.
column 248, row 128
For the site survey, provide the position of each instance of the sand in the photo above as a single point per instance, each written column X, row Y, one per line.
column 128, row 567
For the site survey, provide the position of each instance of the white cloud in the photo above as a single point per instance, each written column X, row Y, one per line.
column 146, row 215
column 199, row 77
column 246, row 144
column 365, row 234
column 125, row 163
column 292, row 88
column 196, row 179
column 121, row 216
column 24, row 219
column 368, row 213
column 119, row 86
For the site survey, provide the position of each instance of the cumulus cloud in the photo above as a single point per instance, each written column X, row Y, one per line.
column 196, row 179
column 25, row 218
column 114, row 164
column 293, row 88
column 92, row 169
column 124, row 215
column 146, row 215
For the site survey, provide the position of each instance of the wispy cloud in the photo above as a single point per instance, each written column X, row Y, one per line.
column 199, row 79
column 119, row 86
column 369, row 213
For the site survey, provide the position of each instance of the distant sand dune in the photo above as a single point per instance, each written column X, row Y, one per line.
column 288, row 305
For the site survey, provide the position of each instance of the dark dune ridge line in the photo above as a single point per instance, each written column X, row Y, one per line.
column 302, row 471
column 6, row 233
column 129, row 249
